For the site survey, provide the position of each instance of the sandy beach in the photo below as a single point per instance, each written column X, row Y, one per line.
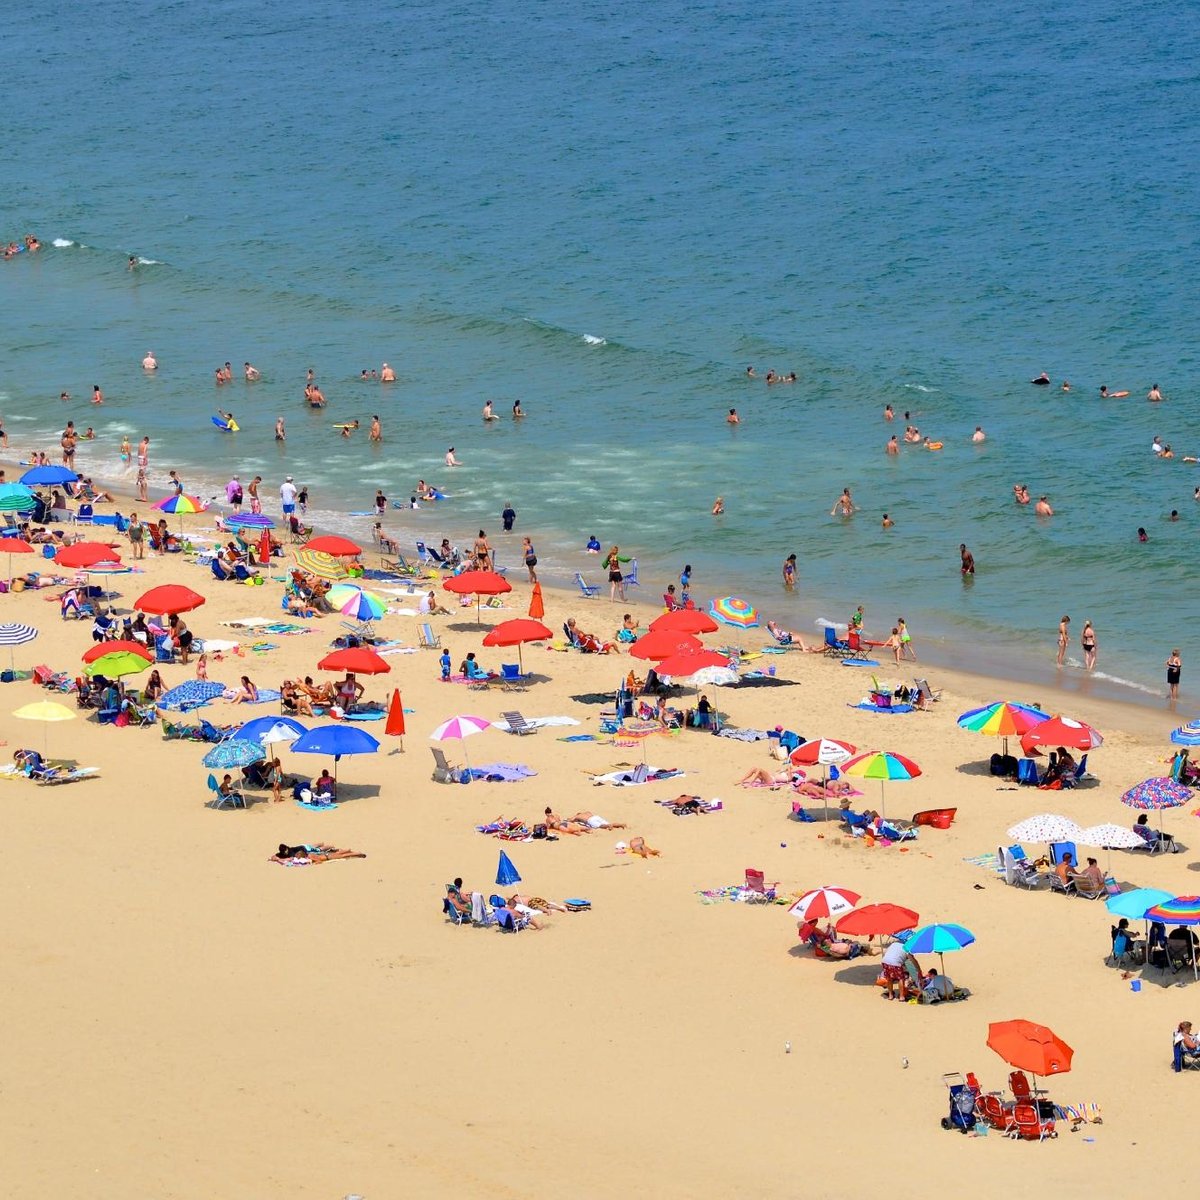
column 189, row 1019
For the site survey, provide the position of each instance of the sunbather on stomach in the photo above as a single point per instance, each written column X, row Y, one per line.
column 317, row 852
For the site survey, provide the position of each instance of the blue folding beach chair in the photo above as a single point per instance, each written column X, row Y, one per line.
column 589, row 590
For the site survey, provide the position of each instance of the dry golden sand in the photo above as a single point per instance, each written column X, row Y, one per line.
column 185, row 1019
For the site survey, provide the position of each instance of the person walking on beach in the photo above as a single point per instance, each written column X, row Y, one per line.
column 137, row 536
column 1064, row 637
column 905, row 640
column 616, row 581
column 1174, row 670
column 967, row 565
column 1087, row 639
column 530, row 559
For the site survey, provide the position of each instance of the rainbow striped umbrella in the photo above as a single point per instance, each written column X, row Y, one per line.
column 356, row 602
column 1187, row 735
column 1003, row 718
column 182, row 504
column 882, row 765
column 1183, row 910
column 729, row 610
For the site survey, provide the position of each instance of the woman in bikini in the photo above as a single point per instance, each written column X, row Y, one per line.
column 1087, row 640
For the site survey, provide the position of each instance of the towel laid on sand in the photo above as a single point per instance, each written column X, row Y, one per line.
column 502, row 772
column 638, row 775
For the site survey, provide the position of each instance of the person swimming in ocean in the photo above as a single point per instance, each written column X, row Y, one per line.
column 843, row 505
column 451, row 461
column 1154, row 394
column 251, row 372
column 1020, row 493
column 1043, row 380
column 733, row 418
column 1042, row 508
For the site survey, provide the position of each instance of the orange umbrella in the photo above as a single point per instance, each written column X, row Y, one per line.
column 1030, row 1047
column 86, row 554
column 100, row 649
column 395, row 718
column 663, row 643
column 478, row 583
column 537, row 610
column 516, row 631
column 361, row 660
column 878, row 919
column 339, row 547
column 169, row 598
column 684, row 620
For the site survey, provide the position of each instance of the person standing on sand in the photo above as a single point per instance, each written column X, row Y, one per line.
column 1087, row 640
column 142, row 492
column 530, row 559
column 1064, row 637
column 967, row 566
column 137, row 536
column 1174, row 670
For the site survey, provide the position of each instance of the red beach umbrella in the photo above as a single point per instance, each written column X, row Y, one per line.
column 1062, row 731
column 86, row 554
column 169, row 598
column 361, row 660
column 394, row 727
column 823, row 751
column 878, row 919
column 100, row 649
column 537, row 607
column 339, row 547
column 517, row 631
column 684, row 620
column 688, row 662
column 478, row 583
column 663, row 643
column 1030, row 1047
column 15, row 546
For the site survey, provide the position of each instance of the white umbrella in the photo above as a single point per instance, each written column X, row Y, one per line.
column 714, row 677
column 15, row 634
column 824, row 902
column 1046, row 827
column 1109, row 837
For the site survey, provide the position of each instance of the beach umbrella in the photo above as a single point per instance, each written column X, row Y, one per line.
column 882, row 765
column 100, row 649
column 1185, row 735
column 355, row 602
column 331, row 544
column 49, row 475
column 46, row 711
column 515, row 632
column 233, row 752
column 1029, row 1047
column 117, row 664
column 182, row 505
column 713, row 677
column 685, row 663
column 193, row 694
column 361, row 660
column 338, row 740
column 11, row 546
column 82, row 555
column 875, row 920
column 270, row 730
column 168, row 599
column 823, row 752
column 664, row 643
column 729, row 610
column 16, row 497
column 537, row 606
column 1137, row 903
column 506, row 873
column 1002, row 718
column 323, row 566
column 394, row 727
column 684, row 620
column 1156, row 794
column 1109, row 837
column 1046, row 827
column 477, row 583
column 106, row 569
column 458, row 729
column 13, row 633
column 1062, row 731
column 824, row 902
column 938, row 939
column 1180, row 910
column 236, row 521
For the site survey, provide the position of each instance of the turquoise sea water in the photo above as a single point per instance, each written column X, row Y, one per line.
column 609, row 213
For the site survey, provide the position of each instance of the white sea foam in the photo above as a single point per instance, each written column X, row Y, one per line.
column 62, row 243
column 917, row 387
column 594, row 341
column 149, row 262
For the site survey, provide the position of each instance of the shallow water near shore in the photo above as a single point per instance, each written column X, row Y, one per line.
column 925, row 214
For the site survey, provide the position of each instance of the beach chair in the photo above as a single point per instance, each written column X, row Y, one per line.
column 456, row 917
column 1183, row 1059
column 923, row 685
column 511, row 678
column 1057, row 884
column 517, row 724
column 834, row 646
column 588, row 590
column 398, row 565
column 1018, row 871
column 84, row 514
column 428, row 556
column 426, row 638
column 1152, row 841
column 364, row 631
column 631, row 574
column 443, row 772
column 1029, row 1124
column 219, row 801
column 506, row 922
column 1060, row 850
column 1027, row 772
column 755, row 890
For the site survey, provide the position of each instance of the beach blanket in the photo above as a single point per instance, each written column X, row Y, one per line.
column 501, row 772
column 686, row 809
column 536, row 723
column 316, row 805
column 639, row 775
column 509, row 831
column 192, row 694
column 737, row 894
column 265, row 696
column 744, row 735
column 891, row 710
column 247, row 622
column 989, row 862
column 859, row 662
column 471, row 679
column 579, row 737
column 370, row 715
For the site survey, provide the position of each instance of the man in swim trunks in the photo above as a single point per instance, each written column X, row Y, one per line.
column 843, row 505
column 1154, row 393
column 149, row 363
column 887, row 521
column 893, row 446
column 1042, row 508
column 376, row 434
column 287, row 495
column 251, row 373
column 979, row 435
column 967, row 565
column 386, row 374
column 733, row 418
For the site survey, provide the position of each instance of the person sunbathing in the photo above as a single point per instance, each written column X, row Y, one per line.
column 247, row 693
column 294, row 700
column 637, row 845
column 589, row 643
column 594, row 821
column 318, row 852
column 536, row 902
column 553, row 821
column 761, row 777
column 318, row 694
column 787, row 637
column 522, row 915
column 826, row 942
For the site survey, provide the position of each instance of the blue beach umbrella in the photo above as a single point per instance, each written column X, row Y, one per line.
column 939, row 940
column 1187, row 735
column 49, row 475
column 337, row 740
column 193, row 694
column 506, row 873
column 233, row 752
column 1137, row 903
column 259, row 729
column 16, row 497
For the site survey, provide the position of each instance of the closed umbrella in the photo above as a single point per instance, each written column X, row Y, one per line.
column 938, row 939
column 13, row 633
column 537, row 606
column 824, row 902
column 1030, row 1047
column 394, row 726
column 516, row 632
column 876, row 920
column 477, row 584
column 506, row 872
column 458, row 729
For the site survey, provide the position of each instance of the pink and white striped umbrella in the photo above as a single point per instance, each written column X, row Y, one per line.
column 824, row 902
column 458, row 728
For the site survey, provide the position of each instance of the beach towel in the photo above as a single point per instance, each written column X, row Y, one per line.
column 501, row 772
column 859, row 662
column 370, row 715
column 744, row 735
column 891, row 710
column 579, row 737
column 639, row 775
column 317, row 806
column 246, row 622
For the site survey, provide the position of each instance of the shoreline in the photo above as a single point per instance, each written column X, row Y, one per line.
column 1134, row 711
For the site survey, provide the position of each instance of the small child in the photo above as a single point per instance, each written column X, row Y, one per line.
column 202, row 667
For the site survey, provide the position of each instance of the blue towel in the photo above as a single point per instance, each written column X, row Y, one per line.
column 315, row 807
column 859, row 662
column 895, row 709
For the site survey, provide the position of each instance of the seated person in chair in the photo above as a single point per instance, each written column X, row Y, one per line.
column 826, row 943
column 589, row 643
column 937, row 987
column 470, row 669
column 1066, row 869
column 1089, row 881
column 1152, row 836
column 323, row 787
column 349, row 692
column 229, row 792
column 294, row 700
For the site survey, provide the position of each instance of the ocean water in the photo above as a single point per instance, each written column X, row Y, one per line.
column 610, row 213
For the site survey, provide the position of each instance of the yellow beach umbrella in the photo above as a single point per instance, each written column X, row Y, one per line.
column 322, row 565
column 45, row 711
